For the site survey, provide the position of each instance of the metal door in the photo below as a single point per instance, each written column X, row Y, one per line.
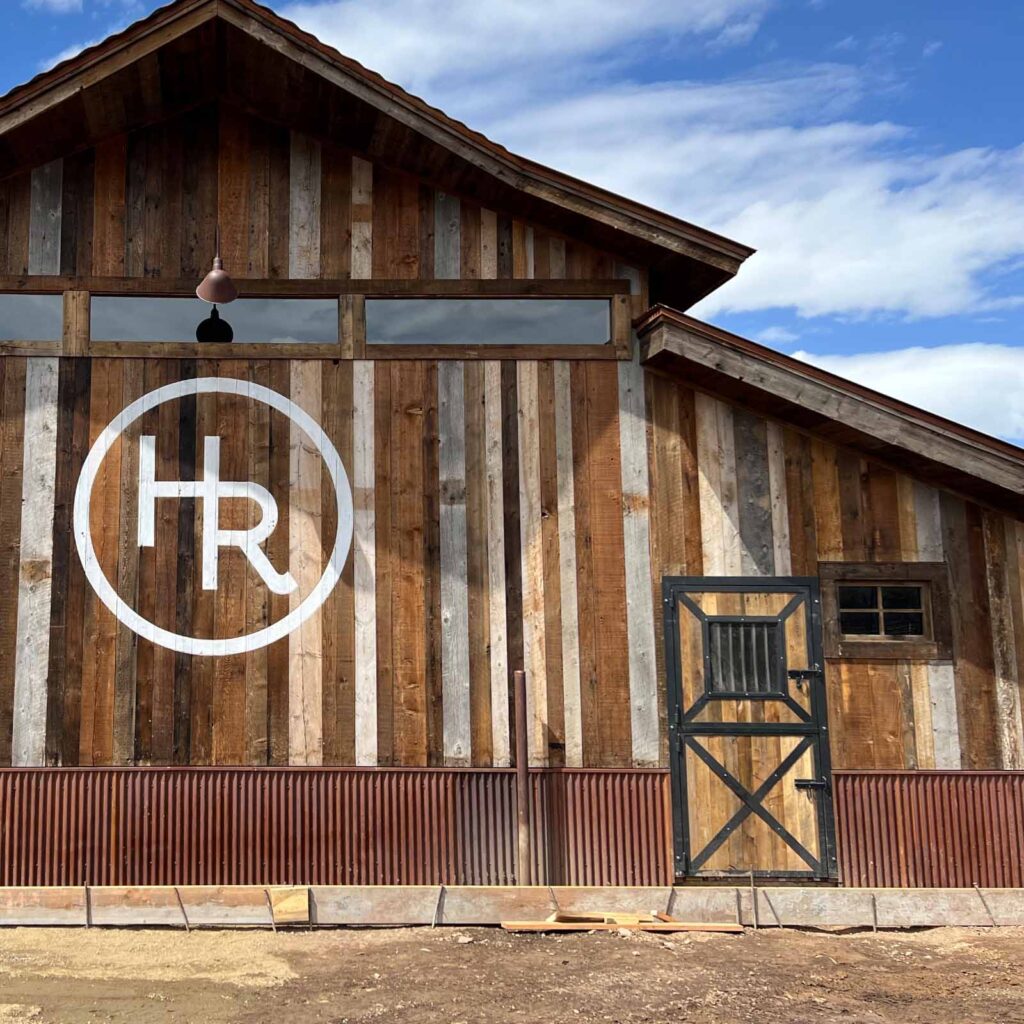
column 751, row 775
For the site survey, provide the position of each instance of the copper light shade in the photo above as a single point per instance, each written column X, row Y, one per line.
column 217, row 287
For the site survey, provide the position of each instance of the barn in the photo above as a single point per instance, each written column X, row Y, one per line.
column 264, row 596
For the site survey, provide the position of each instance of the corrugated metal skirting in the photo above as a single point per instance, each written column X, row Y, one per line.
column 328, row 826
column 930, row 829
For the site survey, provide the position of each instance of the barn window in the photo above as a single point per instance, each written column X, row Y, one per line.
column 470, row 322
column 271, row 321
column 891, row 610
column 745, row 655
column 26, row 317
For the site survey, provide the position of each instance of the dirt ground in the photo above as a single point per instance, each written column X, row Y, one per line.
column 463, row 976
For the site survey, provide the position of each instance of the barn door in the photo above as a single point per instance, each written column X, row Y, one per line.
column 751, row 774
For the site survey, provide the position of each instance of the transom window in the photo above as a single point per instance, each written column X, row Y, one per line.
column 891, row 611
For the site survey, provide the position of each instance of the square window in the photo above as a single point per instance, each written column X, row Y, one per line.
column 892, row 610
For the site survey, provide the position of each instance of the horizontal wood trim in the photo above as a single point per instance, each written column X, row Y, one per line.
column 267, row 288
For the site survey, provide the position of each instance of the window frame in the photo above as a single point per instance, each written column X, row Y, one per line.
column 351, row 296
column 931, row 577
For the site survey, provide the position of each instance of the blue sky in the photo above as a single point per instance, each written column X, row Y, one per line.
column 873, row 152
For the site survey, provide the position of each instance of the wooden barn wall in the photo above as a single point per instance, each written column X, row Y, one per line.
column 147, row 205
column 735, row 494
column 506, row 513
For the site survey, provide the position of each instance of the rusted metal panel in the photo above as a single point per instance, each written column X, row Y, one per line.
column 328, row 826
column 930, row 829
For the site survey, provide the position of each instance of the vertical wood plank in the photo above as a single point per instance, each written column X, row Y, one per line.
column 778, row 500
column 488, row 244
column 305, row 651
column 532, row 549
column 364, row 553
column 476, row 566
column 827, row 514
column 362, row 218
column 28, row 740
column 76, row 229
column 1007, row 690
column 336, row 214
column 455, row 682
column 447, row 237
column 945, row 723
column 753, row 492
column 304, row 207
column 498, row 628
column 571, row 694
column 12, row 453
column 643, row 686
column 45, row 219
column 126, row 641
column 383, row 451
column 929, row 523
column 924, row 729
column 109, row 207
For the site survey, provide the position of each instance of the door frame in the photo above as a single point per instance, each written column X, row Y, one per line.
column 817, row 728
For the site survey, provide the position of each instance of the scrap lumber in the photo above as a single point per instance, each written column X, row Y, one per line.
column 613, row 921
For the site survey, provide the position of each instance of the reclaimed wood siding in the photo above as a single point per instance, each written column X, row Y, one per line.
column 733, row 494
column 501, row 518
column 147, row 204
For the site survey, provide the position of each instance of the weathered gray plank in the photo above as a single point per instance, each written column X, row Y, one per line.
column 455, row 683
column 304, row 207
column 45, row 218
column 753, row 494
column 571, row 689
column 28, row 741
column 365, row 566
column 447, row 236
column 497, row 608
column 636, row 532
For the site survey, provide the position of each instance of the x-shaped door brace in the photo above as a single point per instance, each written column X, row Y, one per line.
column 752, row 803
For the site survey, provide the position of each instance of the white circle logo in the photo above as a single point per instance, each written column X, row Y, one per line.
column 210, row 489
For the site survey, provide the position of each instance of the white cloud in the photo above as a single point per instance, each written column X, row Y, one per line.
column 850, row 216
column 53, row 6
column 776, row 336
column 977, row 384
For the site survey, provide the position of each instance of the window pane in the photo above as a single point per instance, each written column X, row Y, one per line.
column 901, row 597
column 859, row 623
column 479, row 321
column 280, row 321
column 31, row 317
column 904, row 623
column 858, row 597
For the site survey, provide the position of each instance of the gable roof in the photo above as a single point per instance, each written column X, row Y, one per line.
column 928, row 446
column 686, row 261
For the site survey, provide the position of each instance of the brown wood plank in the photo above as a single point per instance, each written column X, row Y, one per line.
column 972, row 636
column 510, row 501
column 199, row 193
column 18, row 223
column 800, row 503
column 336, row 213
column 551, row 582
column 234, row 577
column 76, row 230
column 277, row 550
column 431, row 567
column 257, row 597
column 476, row 568
column 186, row 469
column 387, row 563
column 339, row 609
column 881, row 509
column 97, row 734
column 233, row 209
column 109, row 207
column 12, row 433
column 609, row 576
